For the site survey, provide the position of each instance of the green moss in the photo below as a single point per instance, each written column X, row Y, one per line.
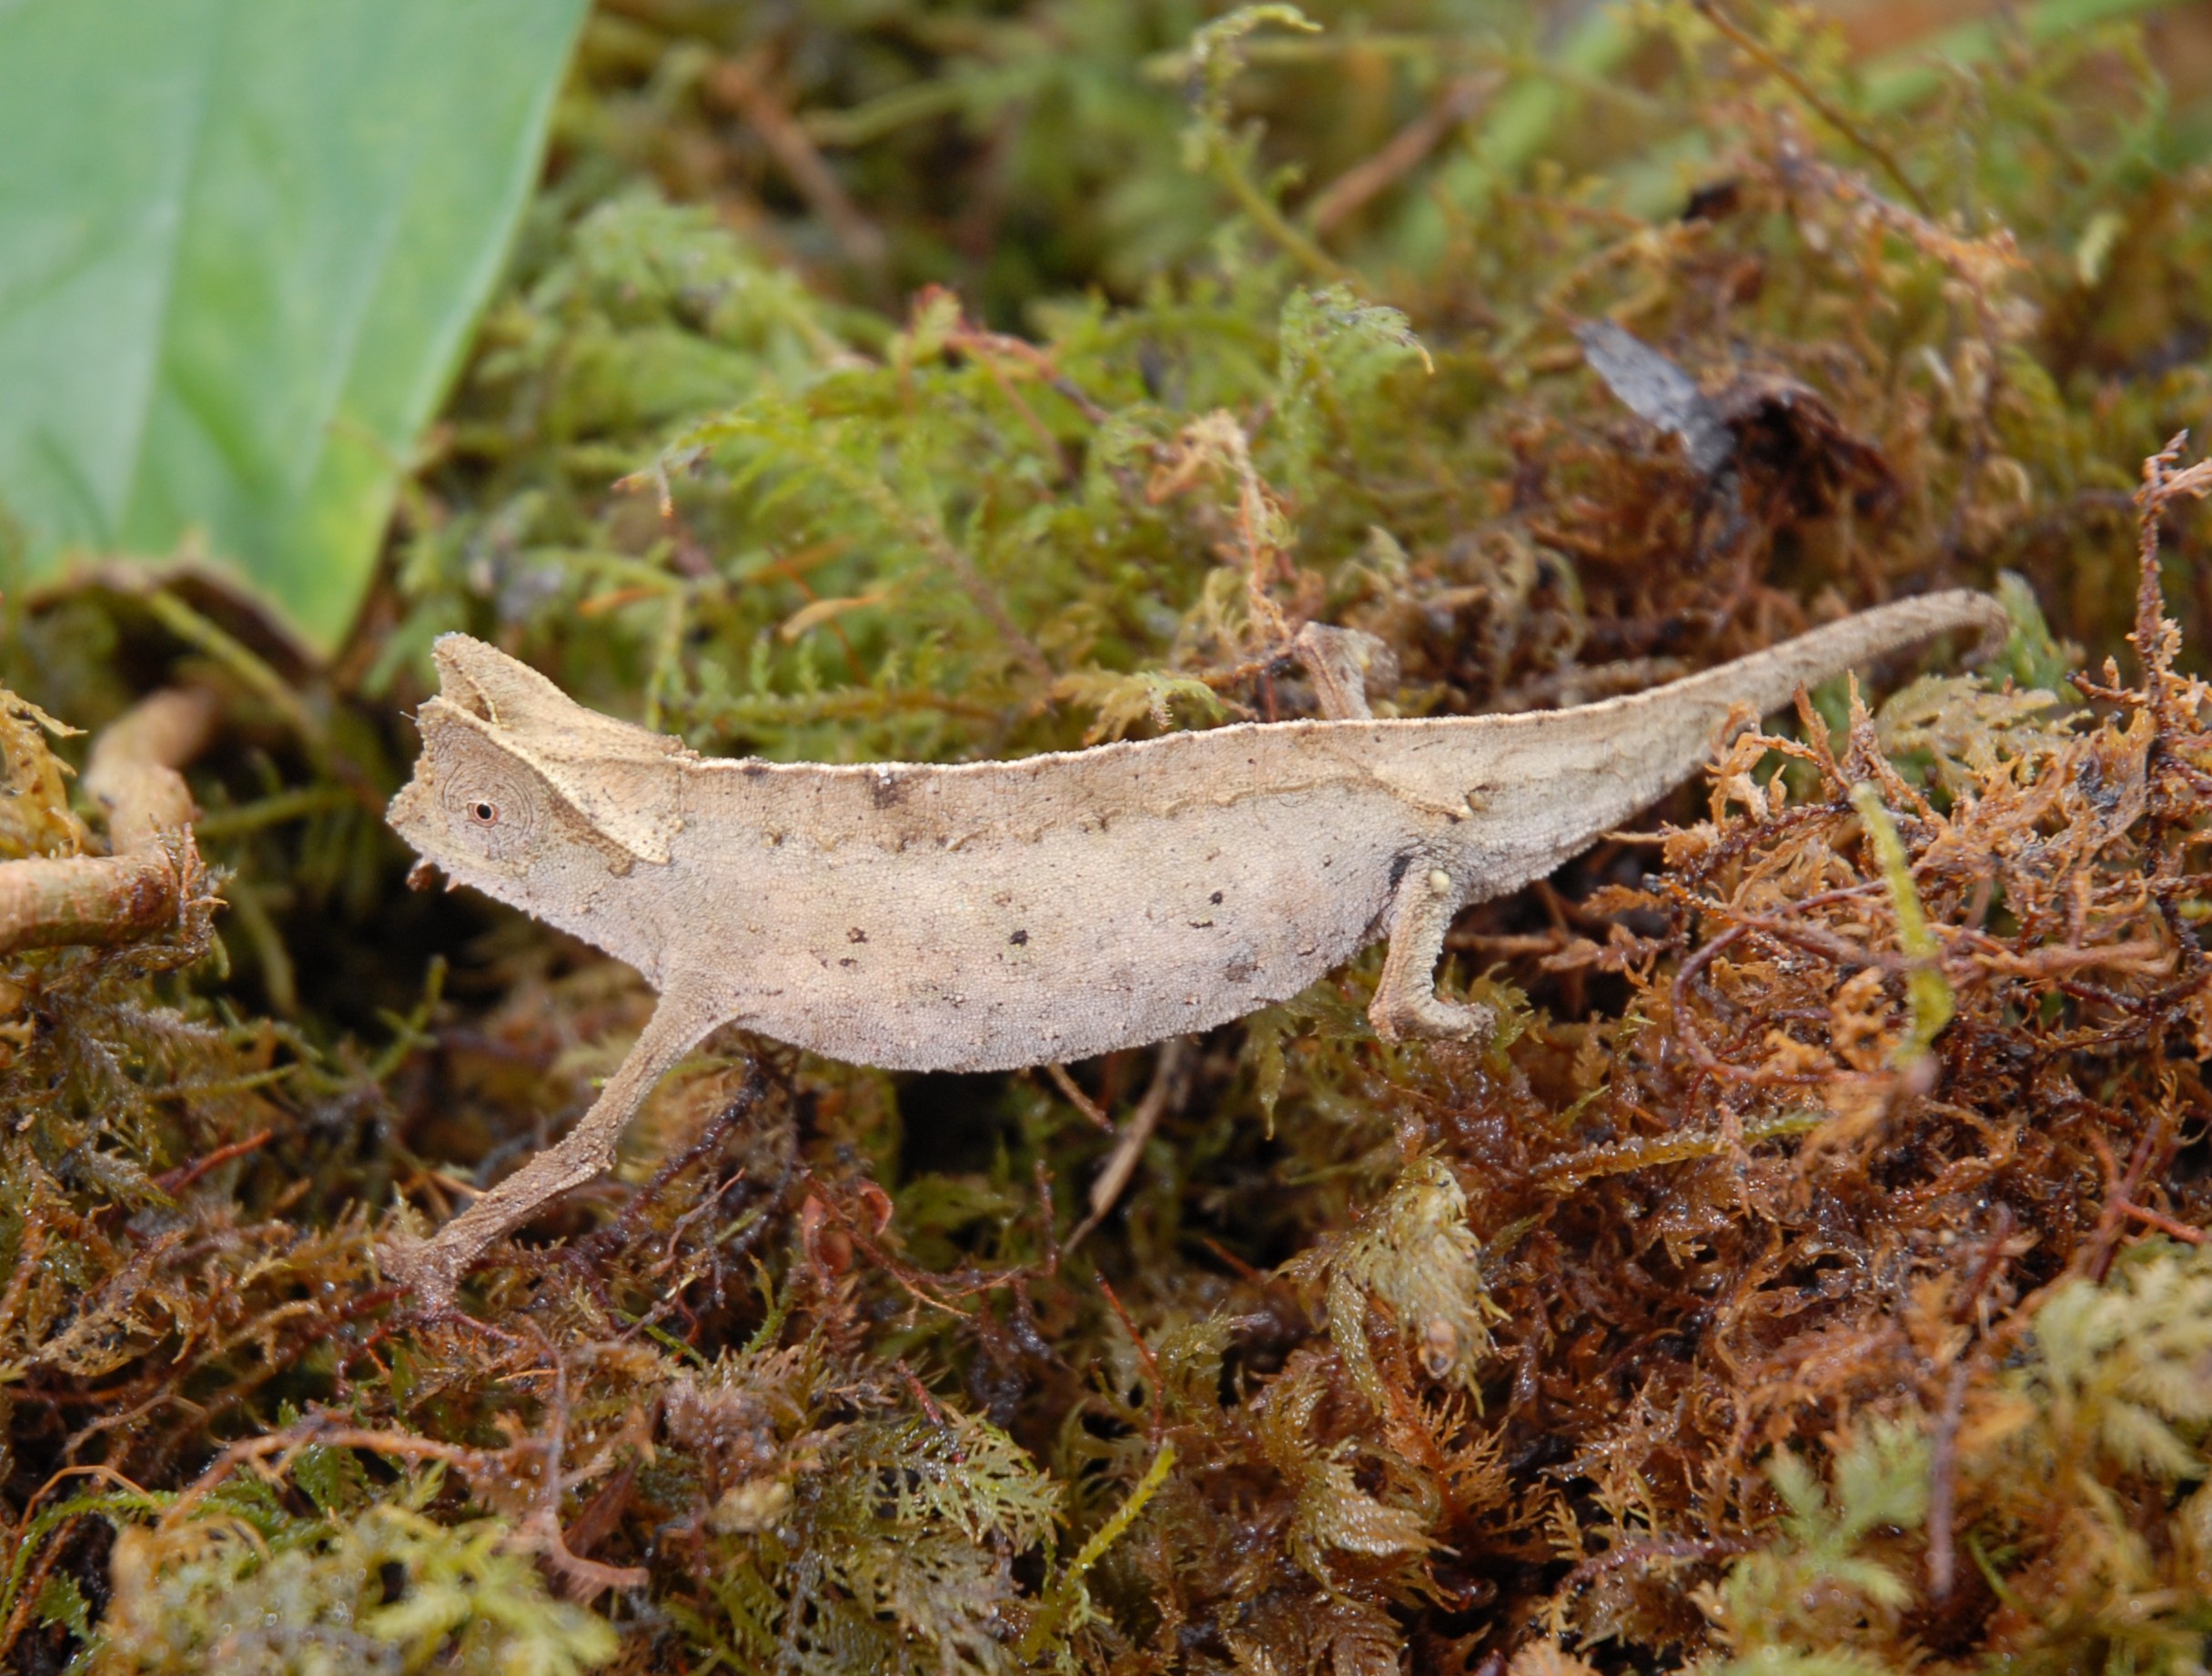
column 385, row 1590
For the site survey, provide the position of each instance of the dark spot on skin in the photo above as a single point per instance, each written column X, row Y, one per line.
column 848, row 961
column 1398, row 863
column 1020, row 939
column 753, row 768
column 1240, row 968
column 886, row 790
column 1201, row 925
column 1215, row 899
column 856, row 935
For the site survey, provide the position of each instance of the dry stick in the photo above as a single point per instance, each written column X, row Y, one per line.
column 581, row 1577
column 1356, row 188
column 243, row 665
column 1570, row 1171
column 48, row 901
column 741, row 85
column 1166, row 1077
column 1943, row 1482
column 983, row 342
column 1943, row 1468
column 1156, row 1423
column 1774, row 65
column 2158, row 641
column 1081, row 1101
column 2120, row 1198
column 2163, row 1223
column 175, row 1181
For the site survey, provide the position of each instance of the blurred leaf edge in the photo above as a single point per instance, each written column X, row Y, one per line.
column 243, row 246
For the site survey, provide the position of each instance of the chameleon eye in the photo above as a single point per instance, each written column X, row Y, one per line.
column 492, row 809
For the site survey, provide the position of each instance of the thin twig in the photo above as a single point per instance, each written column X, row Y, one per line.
column 1121, row 1163
column 1081, row 1101
column 1943, row 1471
column 742, row 85
column 154, row 875
column 1788, row 74
column 1156, row 1424
column 1358, row 186
column 176, row 1180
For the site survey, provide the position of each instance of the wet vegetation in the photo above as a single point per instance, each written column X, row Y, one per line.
column 1809, row 1278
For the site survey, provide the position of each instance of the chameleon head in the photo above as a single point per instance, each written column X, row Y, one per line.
column 517, row 780
column 471, row 808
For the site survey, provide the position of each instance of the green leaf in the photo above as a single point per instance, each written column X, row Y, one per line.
column 241, row 245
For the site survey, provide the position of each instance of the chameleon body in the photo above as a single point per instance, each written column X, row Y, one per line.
column 986, row 916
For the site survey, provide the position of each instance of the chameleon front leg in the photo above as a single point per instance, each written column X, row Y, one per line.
column 433, row 1267
column 1406, row 1002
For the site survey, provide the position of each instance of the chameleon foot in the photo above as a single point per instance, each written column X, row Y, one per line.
column 1431, row 1017
column 1406, row 1002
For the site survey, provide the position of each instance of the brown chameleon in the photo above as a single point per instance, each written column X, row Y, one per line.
column 985, row 915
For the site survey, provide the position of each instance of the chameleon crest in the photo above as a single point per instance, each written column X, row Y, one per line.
column 502, row 743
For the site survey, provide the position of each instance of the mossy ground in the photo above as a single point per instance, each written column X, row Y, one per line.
column 1808, row 1278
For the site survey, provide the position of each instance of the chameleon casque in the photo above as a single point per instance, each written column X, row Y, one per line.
column 987, row 915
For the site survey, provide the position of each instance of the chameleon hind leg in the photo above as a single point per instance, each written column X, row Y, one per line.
column 433, row 1267
column 1342, row 662
column 1405, row 1002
